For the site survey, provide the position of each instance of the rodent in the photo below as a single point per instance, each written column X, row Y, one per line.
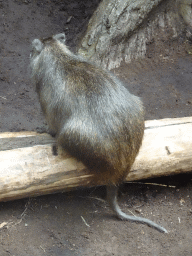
column 91, row 113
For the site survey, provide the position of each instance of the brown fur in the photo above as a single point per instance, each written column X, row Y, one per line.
column 93, row 115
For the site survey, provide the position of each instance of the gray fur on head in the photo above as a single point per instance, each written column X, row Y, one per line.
column 37, row 45
column 60, row 37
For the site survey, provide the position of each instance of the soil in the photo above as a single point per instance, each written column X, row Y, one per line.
column 80, row 222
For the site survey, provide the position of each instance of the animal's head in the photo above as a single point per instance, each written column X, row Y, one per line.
column 38, row 45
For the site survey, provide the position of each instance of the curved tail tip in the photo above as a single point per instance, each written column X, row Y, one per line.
column 164, row 230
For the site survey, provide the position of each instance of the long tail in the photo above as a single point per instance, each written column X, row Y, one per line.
column 112, row 199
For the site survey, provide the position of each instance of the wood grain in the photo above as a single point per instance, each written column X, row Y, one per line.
column 28, row 167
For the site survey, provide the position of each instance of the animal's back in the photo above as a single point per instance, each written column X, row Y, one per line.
column 106, row 125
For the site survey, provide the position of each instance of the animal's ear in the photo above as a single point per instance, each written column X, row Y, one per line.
column 60, row 38
column 37, row 45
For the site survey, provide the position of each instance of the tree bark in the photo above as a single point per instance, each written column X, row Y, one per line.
column 121, row 30
column 28, row 167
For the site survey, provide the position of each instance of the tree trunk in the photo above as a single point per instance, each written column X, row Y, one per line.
column 28, row 167
column 121, row 30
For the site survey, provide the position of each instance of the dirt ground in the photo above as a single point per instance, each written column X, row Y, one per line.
column 80, row 222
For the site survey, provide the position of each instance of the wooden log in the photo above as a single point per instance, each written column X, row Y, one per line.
column 28, row 168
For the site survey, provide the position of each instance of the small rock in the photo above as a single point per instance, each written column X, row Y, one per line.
column 69, row 19
column 182, row 201
column 138, row 210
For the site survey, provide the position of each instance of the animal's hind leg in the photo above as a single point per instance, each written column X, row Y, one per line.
column 112, row 199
